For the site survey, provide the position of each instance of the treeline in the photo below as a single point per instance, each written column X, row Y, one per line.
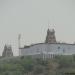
column 22, row 66
column 30, row 66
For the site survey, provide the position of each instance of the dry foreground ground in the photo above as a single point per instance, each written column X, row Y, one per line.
column 60, row 65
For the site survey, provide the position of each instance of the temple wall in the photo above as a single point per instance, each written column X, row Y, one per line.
column 57, row 49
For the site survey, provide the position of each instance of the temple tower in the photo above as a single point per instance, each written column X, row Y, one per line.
column 7, row 51
column 50, row 38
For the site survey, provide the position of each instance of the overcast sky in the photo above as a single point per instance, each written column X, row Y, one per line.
column 30, row 18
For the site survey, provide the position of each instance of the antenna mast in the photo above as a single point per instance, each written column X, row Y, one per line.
column 19, row 39
column 19, row 42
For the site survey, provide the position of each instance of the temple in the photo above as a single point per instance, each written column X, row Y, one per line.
column 49, row 49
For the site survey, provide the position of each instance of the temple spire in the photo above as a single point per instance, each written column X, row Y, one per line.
column 50, row 38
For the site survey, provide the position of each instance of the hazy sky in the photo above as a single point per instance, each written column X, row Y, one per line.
column 31, row 18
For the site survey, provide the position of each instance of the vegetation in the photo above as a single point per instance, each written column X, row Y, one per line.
column 31, row 66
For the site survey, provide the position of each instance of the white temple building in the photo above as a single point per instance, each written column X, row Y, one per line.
column 49, row 49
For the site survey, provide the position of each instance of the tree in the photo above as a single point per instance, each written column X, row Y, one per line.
column 38, row 70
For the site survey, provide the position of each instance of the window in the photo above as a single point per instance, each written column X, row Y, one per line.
column 63, row 50
column 38, row 50
column 58, row 47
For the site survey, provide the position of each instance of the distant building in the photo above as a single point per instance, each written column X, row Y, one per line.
column 49, row 49
column 7, row 51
